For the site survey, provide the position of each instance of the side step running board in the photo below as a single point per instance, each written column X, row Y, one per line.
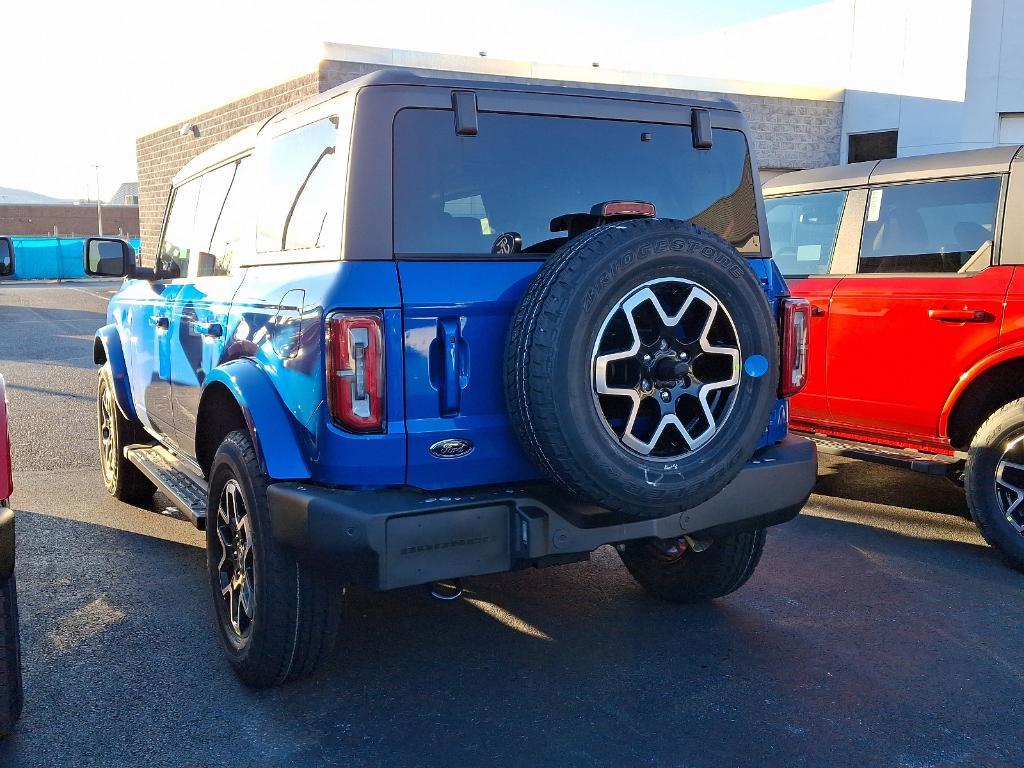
column 927, row 463
column 177, row 479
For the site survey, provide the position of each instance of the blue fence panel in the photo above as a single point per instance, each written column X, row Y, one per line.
column 50, row 258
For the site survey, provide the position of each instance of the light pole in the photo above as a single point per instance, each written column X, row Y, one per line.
column 99, row 209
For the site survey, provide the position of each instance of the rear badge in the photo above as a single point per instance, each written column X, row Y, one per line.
column 452, row 448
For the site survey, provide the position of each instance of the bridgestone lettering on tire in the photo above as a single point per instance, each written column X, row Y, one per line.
column 624, row 366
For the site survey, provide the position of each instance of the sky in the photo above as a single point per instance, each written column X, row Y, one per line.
column 81, row 81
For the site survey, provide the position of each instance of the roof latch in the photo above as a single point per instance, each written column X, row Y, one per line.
column 700, row 125
column 464, row 104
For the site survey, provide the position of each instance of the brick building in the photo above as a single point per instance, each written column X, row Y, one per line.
column 792, row 127
column 67, row 220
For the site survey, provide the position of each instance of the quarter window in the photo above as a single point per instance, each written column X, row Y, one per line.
column 941, row 226
column 803, row 231
column 301, row 200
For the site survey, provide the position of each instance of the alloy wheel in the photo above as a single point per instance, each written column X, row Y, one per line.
column 235, row 570
column 666, row 368
column 1010, row 484
column 108, row 443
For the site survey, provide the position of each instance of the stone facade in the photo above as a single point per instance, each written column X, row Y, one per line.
column 787, row 133
column 67, row 220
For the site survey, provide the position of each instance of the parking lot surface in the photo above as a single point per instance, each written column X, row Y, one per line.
column 878, row 630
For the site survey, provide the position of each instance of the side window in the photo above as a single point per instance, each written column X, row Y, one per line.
column 212, row 191
column 938, row 226
column 803, row 231
column 229, row 229
column 301, row 202
column 176, row 245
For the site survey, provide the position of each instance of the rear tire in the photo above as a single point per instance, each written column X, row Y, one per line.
column 277, row 618
column 691, row 576
column 994, row 479
column 11, row 695
column 122, row 479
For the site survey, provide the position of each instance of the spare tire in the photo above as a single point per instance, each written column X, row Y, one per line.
column 641, row 366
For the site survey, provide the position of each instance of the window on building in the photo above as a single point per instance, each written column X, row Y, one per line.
column 301, row 202
column 456, row 194
column 177, row 243
column 803, row 231
column 880, row 145
column 939, row 226
column 229, row 230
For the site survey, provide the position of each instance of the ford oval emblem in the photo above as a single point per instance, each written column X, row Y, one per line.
column 452, row 448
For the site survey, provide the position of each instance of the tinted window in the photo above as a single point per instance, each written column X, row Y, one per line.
column 6, row 258
column 212, row 191
column 457, row 194
column 177, row 244
column 300, row 201
column 803, row 231
column 932, row 227
column 229, row 229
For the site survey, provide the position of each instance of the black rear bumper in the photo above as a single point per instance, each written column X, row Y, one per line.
column 399, row 537
column 6, row 541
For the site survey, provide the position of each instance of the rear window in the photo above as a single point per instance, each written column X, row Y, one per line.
column 803, row 231
column 456, row 195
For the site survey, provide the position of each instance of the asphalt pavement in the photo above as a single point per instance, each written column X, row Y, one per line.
column 879, row 630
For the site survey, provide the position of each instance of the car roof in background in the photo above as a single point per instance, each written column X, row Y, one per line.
column 972, row 162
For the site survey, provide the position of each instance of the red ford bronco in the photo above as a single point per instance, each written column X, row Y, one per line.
column 10, row 652
column 914, row 268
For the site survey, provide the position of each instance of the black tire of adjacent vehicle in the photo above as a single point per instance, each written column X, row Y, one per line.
column 297, row 609
column 11, row 696
column 696, row 577
column 124, row 481
column 984, row 455
column 548, row 366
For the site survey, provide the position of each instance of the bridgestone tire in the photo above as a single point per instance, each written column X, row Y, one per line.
column 10, row 657
column 999, row 430
column 549, row 365
column 297, row 609
column 696, row 577
column 123, row 480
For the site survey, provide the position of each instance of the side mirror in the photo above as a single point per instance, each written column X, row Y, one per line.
column 6, row 257
column 108, row 257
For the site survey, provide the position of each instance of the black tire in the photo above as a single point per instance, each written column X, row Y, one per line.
column 11, row 695
column 1001, row 435
column 551, row 353
column 296, row 610
column 122, row 479
column 691, row 576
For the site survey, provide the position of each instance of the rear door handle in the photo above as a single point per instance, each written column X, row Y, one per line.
column 215, row 330
column 961, row 315
column 450, row 385
column 162, row 323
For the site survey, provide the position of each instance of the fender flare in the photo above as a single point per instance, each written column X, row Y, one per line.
column 271, row 425
column 110, row 340
column 1001, row 355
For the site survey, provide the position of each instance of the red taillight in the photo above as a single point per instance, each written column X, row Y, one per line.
column 796, row 315
column 355, row 371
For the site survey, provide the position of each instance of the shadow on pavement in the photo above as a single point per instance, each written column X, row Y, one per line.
column 846, row 639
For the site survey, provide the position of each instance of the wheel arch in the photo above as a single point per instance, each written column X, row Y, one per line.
column 985, row 388
column 106, row 349
column 238, row 395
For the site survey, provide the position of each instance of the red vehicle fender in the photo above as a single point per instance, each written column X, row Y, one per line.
column 1001, row 355
column 6, row 477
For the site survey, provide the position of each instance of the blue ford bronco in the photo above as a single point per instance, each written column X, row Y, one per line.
column 417, row 329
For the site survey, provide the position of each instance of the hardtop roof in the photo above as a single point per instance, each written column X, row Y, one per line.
column 971, row 162
column 245, row 140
